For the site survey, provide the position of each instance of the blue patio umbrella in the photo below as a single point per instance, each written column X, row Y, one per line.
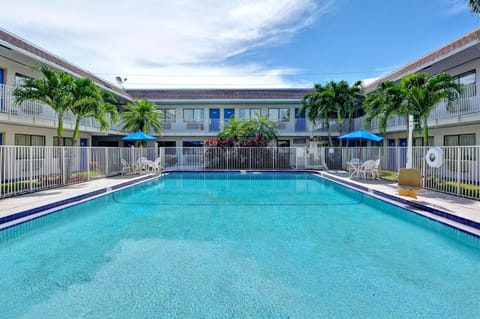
column 361, row 135
column 138, row 136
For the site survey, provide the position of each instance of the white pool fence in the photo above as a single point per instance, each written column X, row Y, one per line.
column 32, row 168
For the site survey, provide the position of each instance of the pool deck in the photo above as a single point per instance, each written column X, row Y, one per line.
column 459, row 212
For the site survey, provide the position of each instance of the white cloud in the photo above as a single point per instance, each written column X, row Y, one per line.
column 453, row 7
column 151, row 37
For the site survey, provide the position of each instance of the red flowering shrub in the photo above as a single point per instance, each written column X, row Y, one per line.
column 220, row 142
column 253, row 141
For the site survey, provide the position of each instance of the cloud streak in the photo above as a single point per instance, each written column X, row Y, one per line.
column 165, row 37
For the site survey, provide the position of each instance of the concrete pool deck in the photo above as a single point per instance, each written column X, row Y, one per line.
column 459, row 212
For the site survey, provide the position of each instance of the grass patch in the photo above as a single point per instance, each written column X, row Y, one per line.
column 389, row 175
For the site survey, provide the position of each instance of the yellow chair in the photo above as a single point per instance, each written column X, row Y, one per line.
column 409, row 182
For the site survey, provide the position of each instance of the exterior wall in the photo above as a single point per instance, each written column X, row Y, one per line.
column 11, row 68
column 8, row 131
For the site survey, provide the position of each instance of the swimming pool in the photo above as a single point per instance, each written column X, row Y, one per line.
column 217, row 245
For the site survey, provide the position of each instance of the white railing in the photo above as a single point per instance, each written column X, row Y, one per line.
column 467, row 103
column 36, row 112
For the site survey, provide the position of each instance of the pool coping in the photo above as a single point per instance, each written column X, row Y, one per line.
column 43, row 210
column 460, row 223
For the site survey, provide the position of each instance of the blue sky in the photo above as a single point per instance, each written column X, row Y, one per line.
column 238, row 43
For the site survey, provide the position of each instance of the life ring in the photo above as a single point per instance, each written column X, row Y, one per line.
column 434, row 157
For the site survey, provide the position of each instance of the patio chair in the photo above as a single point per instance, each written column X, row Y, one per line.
column 376, row 169
column 126, row 168
column 353, row 167
column 156, row 166
column 409, row 182
column 368, row 169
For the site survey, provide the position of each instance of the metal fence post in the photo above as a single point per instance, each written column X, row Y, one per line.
column 459, row 164
column 106, row 161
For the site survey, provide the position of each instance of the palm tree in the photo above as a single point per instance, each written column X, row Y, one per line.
column 234, row 129
column 424, row 92
column 385, row 102
column 141, row 115
column 263, row 126
column 90, row 102
column 474, row 5
column 339, row 97
column 316, row 109
column 54, row 89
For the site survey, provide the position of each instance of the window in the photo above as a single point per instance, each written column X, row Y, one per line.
column 279, row 115
column 459, row 140
column 169, row 146
column 246, row 114
column 67, row 141
column 29, row 140
column 20, row 78
column 418, row 141
column 168, row 115
column 193, row 115
column 468, row 80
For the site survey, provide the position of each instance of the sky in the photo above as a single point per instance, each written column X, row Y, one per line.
column 238, row 43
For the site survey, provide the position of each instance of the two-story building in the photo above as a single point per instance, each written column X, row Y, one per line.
column 193, row 115
column 449, row 125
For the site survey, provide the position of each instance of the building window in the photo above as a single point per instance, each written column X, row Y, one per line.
column 459, row 140
column 467, row 80
column 279, row 115
column 29, row 140
column 168, row 115
column 246, row 114
column 67, row 141
column 418, row 141
column 193, row 115
column 20, row 79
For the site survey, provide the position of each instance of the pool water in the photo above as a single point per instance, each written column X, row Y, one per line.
column 217, row 245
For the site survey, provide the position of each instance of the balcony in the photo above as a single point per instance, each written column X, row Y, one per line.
column 39, row 114
column 465, row 109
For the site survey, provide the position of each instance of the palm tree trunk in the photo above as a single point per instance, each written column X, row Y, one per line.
column 425, row 132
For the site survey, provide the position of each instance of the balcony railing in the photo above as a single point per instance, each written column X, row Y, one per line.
column 38, row 112
column 467, row 103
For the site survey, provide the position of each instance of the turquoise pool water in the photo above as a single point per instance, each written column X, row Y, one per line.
column 214, row 245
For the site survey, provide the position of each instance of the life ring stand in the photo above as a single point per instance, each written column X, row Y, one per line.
column 434, row 157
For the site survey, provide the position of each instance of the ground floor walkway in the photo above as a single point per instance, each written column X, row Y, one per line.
column 460, row 212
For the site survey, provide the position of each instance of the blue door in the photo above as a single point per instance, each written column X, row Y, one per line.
column 392, row 155
column 403, row 152
column 300, row 121
column 214, row 115
column 1, row 138
column 228, row 114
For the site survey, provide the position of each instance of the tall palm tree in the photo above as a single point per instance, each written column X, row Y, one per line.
column 141, row 115
column 344, row 100
column 316, row 108
column 385, row 102
column 423, row 92
column 90, row 102
column 54, row 89
column 474, row 5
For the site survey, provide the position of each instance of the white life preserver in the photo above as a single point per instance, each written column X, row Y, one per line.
column 434, row 157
